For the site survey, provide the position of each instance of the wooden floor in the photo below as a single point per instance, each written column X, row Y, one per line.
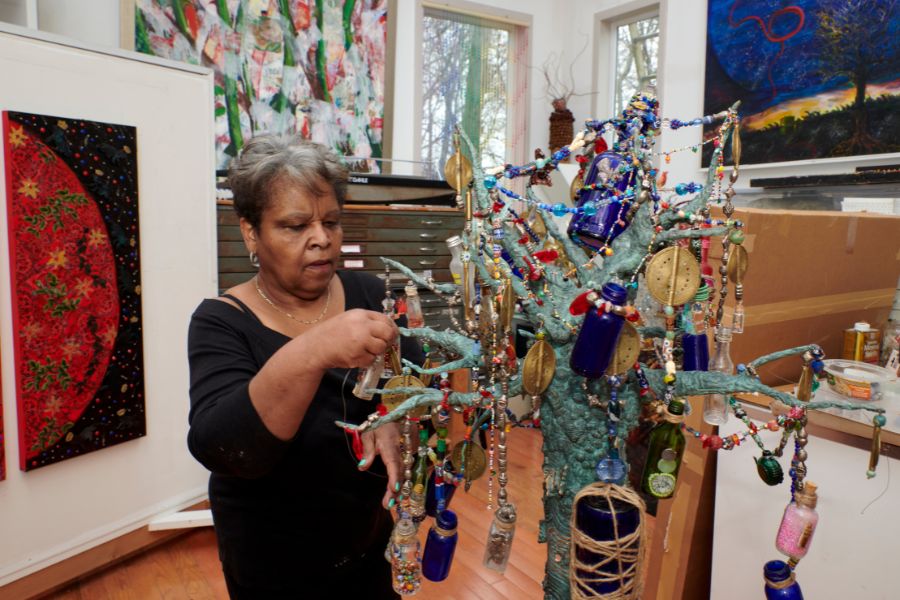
column 188, row 568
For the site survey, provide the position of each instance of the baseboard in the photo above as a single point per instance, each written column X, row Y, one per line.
column 84, row 564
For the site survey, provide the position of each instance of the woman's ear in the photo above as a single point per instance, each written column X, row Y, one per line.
column 248, row 232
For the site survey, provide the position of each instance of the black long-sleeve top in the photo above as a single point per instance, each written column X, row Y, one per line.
column 281, row 508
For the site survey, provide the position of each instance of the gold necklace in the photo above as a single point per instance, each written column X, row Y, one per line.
column 289, row 315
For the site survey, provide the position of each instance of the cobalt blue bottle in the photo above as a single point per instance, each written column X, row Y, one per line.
column 598, row 225
column 439, row 547
column 599, row 335
column 780, row 583
column 601, row 521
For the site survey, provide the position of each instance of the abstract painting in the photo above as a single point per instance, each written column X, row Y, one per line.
column 71, row 192
column 310, row 66
column 816, row 78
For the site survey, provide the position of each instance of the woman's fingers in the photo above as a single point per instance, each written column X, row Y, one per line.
column 368, row 442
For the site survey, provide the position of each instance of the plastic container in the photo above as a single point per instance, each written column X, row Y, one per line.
column 857, row 380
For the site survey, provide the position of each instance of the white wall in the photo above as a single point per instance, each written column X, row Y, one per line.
column 91, row 21
column 53, row 512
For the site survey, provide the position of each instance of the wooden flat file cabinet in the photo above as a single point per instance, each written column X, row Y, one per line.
column 414, row 236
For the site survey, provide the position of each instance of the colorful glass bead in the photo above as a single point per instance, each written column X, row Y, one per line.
column 490, row 182
column 560, row 209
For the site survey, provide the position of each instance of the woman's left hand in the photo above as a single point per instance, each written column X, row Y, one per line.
column 385, row 441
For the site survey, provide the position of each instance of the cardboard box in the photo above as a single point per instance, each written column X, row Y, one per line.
column 812, row 275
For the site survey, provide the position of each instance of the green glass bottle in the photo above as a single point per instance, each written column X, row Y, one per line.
column 419, row 480
column 665, row 452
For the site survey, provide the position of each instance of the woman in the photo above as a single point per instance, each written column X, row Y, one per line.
column 271, row 371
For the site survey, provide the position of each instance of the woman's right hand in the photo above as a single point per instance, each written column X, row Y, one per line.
column 351, row 339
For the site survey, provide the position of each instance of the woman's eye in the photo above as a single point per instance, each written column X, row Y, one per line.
column 297, row 227
column 332, row 224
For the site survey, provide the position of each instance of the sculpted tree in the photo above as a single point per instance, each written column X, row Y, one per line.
column 643, row 230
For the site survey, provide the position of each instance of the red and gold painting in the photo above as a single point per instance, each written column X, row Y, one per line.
column 71, row 189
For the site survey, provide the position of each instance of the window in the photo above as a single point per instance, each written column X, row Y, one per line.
column 636, row 54
column 468, row 68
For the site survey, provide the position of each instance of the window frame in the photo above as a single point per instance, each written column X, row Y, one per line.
column 612, row 64
column 520, row 28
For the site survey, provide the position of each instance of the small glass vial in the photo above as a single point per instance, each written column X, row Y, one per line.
column 500, row 538
column 715, row 406
column 798, row 524
column 406, row 568
column 414, row 316
column 368, row 379
column 440, row 547
column 456, row 268
column 780, row 582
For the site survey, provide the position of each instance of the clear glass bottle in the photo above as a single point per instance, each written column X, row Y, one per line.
column 419, row 480
column 368, row 379
column 780, row 582
column 456, row 267
column 500, row 538
column 798, row 524
column 664, row 453
column 406, row 567
column 440, row 547
column 715, row 406
column 599, row 335
column 414, row 316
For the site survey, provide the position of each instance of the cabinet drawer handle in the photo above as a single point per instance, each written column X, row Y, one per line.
column 427, row 263
column 426, row 248
column 424, row 222
column 427, row 236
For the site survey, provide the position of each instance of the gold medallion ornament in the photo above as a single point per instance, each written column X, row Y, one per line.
column 458, row 171
column 576, row 186
column 538, row 367
column 673, row 276
column 392, row 401
column 738, row 261
column 473, row 464
column 628, row 349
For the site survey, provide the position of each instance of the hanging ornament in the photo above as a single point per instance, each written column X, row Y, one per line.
column 769, row 468
column 500, row 538
column 468, row 460
column 673, row 276
column 627, row 351
column 608, row 544
column 538, row 367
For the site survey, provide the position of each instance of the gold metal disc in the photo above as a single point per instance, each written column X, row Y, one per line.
column 627, row 351
column 577, row 184
column 538, row 368
column 475, row 462
column 738, row 261
column 458, row 171
column 392, row 401
column 673, row 276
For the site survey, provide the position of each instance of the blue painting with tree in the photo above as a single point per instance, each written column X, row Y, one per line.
column 816, row 78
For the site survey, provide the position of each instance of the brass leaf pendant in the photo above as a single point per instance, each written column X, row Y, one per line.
column 538, row 368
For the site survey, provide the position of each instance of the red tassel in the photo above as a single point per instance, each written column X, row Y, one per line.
column 546, row 256
column 357, row 443
column 600, row 145
column 580, row 304
column 381, row 409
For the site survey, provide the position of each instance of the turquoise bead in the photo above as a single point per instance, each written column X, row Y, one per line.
column 879, row 420
column 559, row 209
column 669, row 310
column 590, row 209
column 490, row 182
column 681, row 189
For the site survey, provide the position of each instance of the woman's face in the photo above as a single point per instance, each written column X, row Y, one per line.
column 298, row 240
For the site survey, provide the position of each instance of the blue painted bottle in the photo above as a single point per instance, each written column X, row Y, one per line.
column 439, row 547
column 780, row 582
column 599, row 226
column 695, row 344
column 599, row 335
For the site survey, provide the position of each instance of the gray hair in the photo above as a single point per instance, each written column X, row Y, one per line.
column 268, row 158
